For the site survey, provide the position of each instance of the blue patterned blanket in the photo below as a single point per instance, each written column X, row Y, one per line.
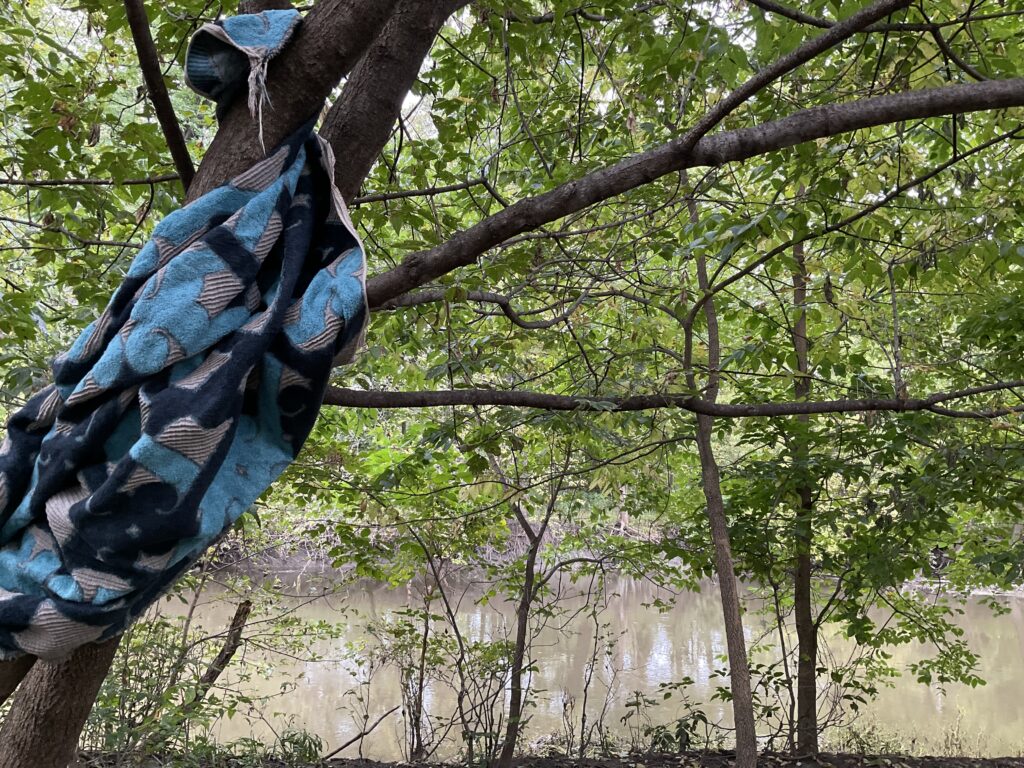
column 194, row 389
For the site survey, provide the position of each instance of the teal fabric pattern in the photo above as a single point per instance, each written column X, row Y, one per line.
column 194, row 389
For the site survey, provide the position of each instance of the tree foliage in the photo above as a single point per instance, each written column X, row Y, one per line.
column 909, row 253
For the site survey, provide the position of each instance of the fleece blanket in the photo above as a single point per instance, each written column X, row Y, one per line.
column 194, row 389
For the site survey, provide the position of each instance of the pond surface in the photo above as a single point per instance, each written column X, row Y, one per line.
column 649, row 647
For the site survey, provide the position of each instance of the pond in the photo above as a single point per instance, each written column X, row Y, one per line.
column 647, row 647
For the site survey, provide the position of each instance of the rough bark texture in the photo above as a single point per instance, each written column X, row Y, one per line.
column 363, row 118
column 50, row 709
column 328, row 44
column 12, row 673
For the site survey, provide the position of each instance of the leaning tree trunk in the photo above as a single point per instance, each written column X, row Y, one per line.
column 728, row 584
column 515, row 707
column 50, row 709
column 739, row 669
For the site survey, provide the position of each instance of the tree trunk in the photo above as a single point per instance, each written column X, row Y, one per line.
column 12, row 673
column 42, row 728
column 739, row 672
column 515, row 706
column 739, row 669
column 332, row 39
column 806, row 631
column 806, row 634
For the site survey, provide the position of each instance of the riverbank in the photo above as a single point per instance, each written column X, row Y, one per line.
column 297, row 556
column 684, row 760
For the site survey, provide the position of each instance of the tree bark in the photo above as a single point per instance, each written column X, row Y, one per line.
column 711, row 480
column 331, row 39
column 364, row 398
column 466, row 246
column 363, row 118
column 515, row 706
column 47, row 716
column 728, row 584
column 50, row 709
column 803, row 607
column 152, row 74
column 12, row 673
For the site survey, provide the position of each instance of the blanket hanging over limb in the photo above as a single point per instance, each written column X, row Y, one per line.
column 194, row 389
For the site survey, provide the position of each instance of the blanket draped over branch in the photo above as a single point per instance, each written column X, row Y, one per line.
column 194, row 389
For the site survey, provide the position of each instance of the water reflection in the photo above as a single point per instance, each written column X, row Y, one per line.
column 647, row 647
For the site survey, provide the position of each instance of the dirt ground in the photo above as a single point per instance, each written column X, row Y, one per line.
column 685, row 760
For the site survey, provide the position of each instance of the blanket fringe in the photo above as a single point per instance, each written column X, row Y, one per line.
column 258, row 93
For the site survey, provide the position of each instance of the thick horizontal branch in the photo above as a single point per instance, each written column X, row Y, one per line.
column 356, row 398
column 728, row 146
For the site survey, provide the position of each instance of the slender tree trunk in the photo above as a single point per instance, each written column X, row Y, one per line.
column 739, row 671
column 515, row 705
column 42, row 728
column 418, row 751
column 806, row 631
column 806, row 634
column 732, row 612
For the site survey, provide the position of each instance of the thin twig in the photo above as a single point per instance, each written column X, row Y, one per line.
column 362, row 734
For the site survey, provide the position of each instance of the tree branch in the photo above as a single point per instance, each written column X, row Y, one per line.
column 728, row 146
column 486, row 297
column 836, row 34
column 793, row 14
column 328, row 44
column 952, row 55
column 232, row 641
column 355, row 398
column 152, row 74
column 7, row 182
column 68, row 233
column 11, row 674
column 582, row 13
column 362, row 734
column 380, row 197
column 360, row 122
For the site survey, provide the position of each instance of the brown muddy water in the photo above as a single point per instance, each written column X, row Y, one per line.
column 644, row 647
